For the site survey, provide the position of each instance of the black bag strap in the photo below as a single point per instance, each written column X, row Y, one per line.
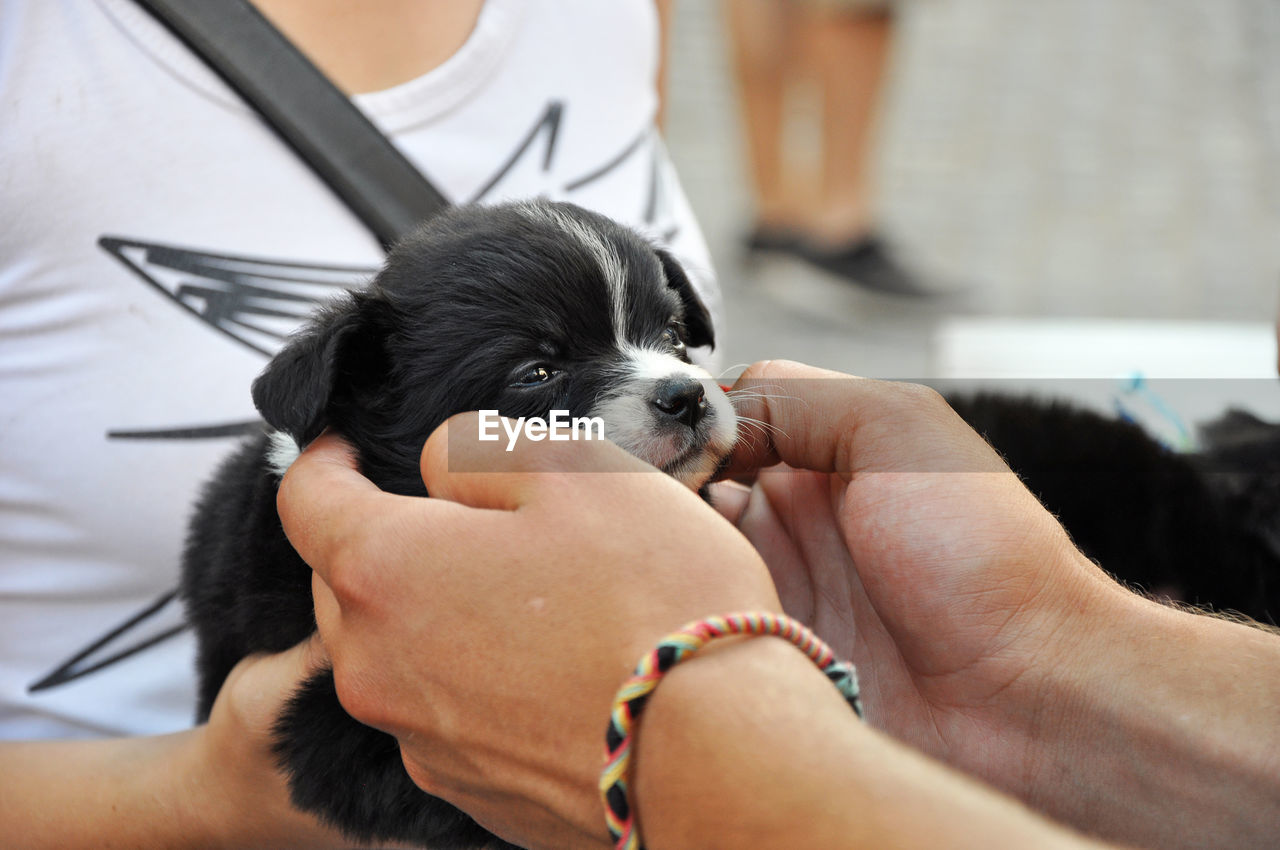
column 307, row 111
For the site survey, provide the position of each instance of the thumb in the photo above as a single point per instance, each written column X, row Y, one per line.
column 307, row 658
column 730, row 499
column 258, row 687
column 298, row 662
column 326, row 505
column 825, row 421
column 459, row 466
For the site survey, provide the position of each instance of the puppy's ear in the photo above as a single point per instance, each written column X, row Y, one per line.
column 697, row 321
column 340, row 351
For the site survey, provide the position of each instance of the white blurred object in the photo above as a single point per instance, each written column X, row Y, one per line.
column 1104, row 348
column 1185, row 372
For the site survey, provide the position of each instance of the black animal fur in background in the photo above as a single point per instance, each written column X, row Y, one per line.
column 1203, row 528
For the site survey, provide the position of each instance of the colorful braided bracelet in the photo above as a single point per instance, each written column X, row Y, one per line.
column 630, row 700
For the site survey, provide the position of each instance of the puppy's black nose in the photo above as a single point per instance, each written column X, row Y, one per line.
column 683, row 399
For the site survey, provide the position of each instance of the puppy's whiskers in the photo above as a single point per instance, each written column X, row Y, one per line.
column 753, row 427
column 760, row 392
column 748, row 394
column 759, row 425
column 729, row 369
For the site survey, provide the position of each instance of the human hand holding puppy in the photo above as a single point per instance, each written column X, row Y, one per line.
column 540, row 550
column 980, row 634
column 495, row 658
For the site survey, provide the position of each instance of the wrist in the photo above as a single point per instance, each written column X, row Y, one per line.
column 232, row 795
column 683, row 645
column 1012, row 720
column 1079, row 689
column 752, row 747
column 708, row 734
column 126, row 792
column 1153, row 738
column 202, row 779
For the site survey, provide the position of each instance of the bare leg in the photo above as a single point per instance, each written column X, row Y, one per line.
column 762, row 34
column 850, row 54
column 845, row 54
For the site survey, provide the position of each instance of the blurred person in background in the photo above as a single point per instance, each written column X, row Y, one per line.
column 157, row 244
column 842, row 48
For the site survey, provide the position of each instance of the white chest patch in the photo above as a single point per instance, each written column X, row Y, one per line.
column 282, row 451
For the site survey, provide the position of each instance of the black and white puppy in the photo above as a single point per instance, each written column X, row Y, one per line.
column 524, row 309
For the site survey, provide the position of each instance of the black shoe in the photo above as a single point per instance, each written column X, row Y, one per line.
column 869, row 263
column 777, row 239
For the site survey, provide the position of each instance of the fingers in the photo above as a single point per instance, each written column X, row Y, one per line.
column 826, row 421
column 311, row 657
column 295, row 664
column 298, row 663
column 324, row 502
column 730, row 499
column 327, row 608
column 352, row 534
column 457, row 465
column 259, row 684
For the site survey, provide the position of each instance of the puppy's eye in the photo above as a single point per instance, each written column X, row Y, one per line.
column 671, row 336
column 533, row 376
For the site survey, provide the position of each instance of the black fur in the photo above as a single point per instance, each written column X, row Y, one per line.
column 459, row 309
column 1173, row 524
column 697, row 321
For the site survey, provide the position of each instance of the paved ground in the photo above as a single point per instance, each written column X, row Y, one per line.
column 1054, row 158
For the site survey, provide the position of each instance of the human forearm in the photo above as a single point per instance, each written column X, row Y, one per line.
column 127, row 792
column 146, row 793
column 1169, row 732
column 986, row 639
column 751, row 746
column 216, row 785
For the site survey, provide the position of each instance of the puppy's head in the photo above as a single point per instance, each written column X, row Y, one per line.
column 525, row 309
